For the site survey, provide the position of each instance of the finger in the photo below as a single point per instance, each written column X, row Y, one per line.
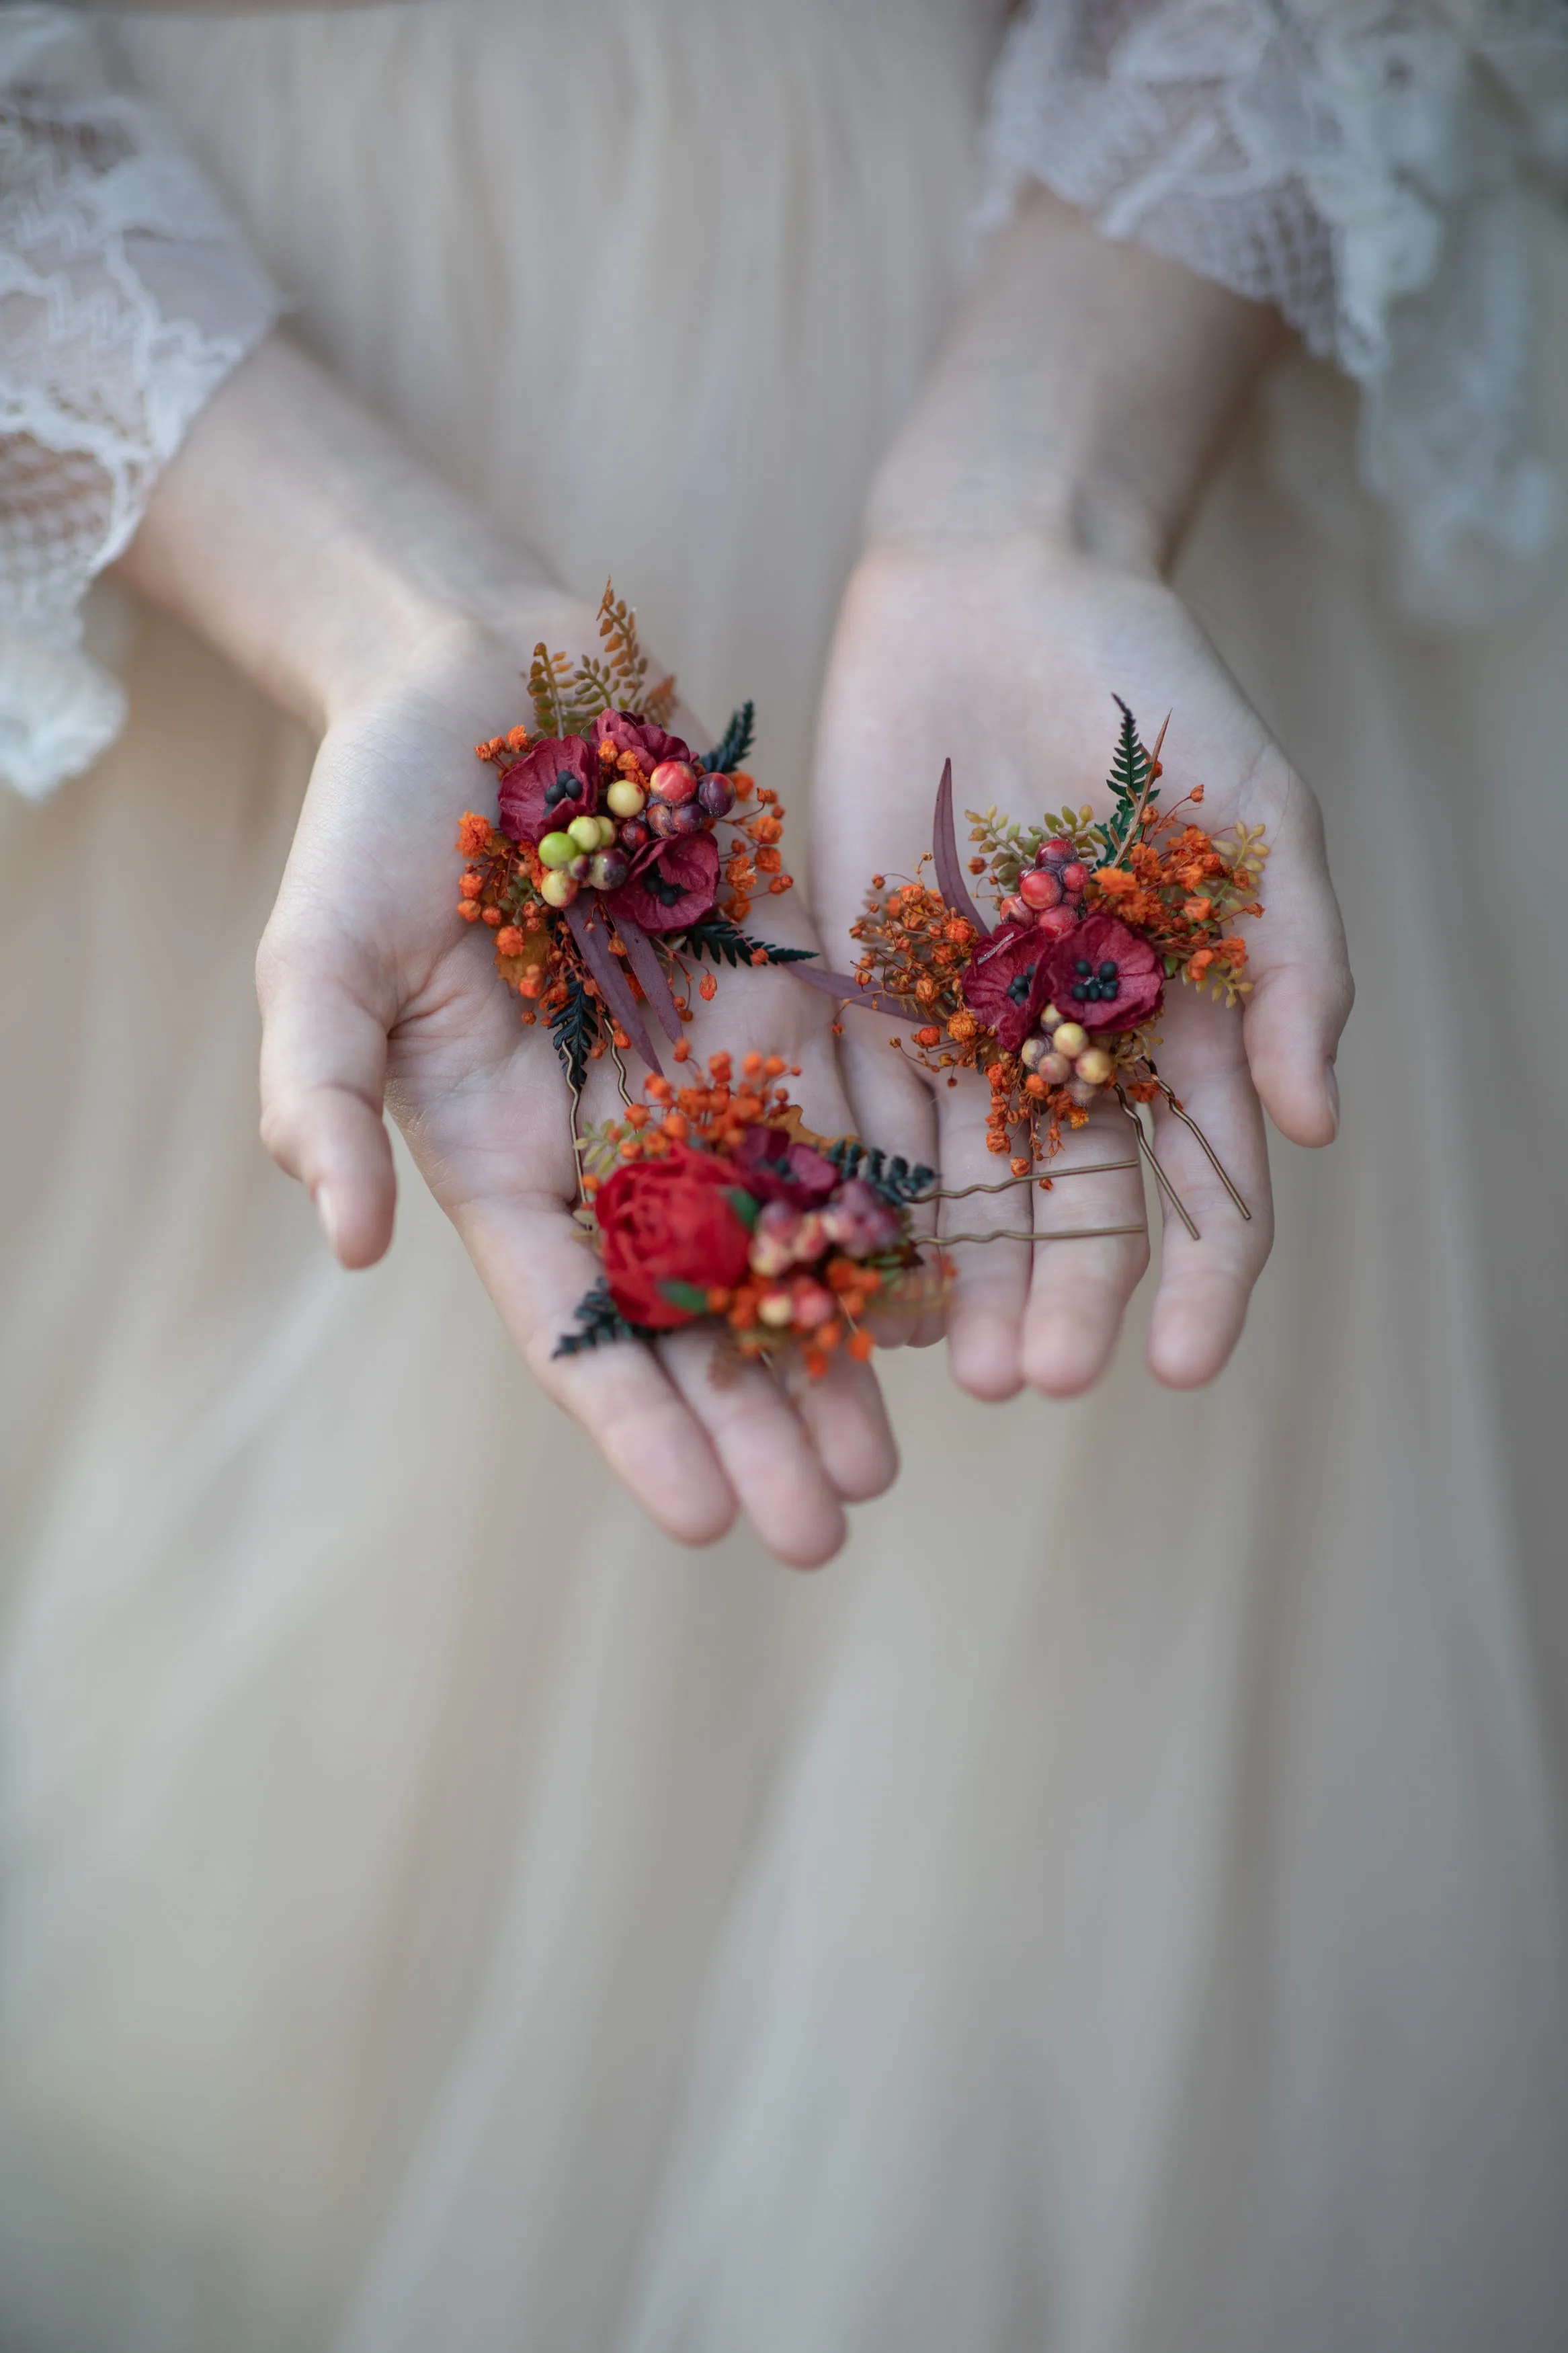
column 1078, row 1298
column 846, row 1417
column 323, row 1074
column 766, row 1453
column 991, row 1279
column 525, row 1250
column 1302, row 990
column 892, row 1108
column 1206, row 1285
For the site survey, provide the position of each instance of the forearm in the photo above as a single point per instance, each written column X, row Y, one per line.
column 295, row 533
column 1083, row 393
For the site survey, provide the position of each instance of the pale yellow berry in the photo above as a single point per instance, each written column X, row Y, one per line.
column 585, row 832
column 1032, row 1051
column 1055, row 1068
column 1050, row 1019
column 608, row 831
column 776, row 1309
column 625, row 798
column 1069, row 1038
column 1095, row 1065
column 558, row 889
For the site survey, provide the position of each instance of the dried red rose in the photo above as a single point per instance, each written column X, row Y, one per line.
column 1104, row 975
column 1004, row 985
column 543, row 792
column 650, row 744
column 669, row 1226
column 672, row 884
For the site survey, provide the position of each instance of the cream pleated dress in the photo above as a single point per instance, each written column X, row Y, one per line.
column 437, row 1913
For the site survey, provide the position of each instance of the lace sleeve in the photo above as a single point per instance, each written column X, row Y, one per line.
column 1362, row 165
column 126, row 295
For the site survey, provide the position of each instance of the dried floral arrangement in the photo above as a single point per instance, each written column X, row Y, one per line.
column 1057, row 1001
column 711, row 1203
column 617, row 860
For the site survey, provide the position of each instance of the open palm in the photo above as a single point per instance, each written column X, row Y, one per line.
column 1003, row 652
column 373, row 992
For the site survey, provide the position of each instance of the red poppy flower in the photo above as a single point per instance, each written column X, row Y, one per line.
column 669, row 1229
column 1004, row 985
column 672, row 883
column 1104, row 975
column 650, row 744
column 775, row 1167
column 549, row 785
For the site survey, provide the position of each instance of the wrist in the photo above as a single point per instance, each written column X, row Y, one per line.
column 295, row 532
column 1083, row 398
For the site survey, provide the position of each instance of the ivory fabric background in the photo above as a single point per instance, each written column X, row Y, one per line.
column 1093, row 1915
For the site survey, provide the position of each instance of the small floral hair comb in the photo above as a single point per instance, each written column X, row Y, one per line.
column 712, row 1204
column 617, row 859
column 1056, row 1000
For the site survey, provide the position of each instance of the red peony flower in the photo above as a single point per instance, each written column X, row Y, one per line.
column 672, row 883
column 775, row 1167
column 1104, row 975
column 670, row 1226
column 650, row 744
column 1005, row 983
column 543, row 791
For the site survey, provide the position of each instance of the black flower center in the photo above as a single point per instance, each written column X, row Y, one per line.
column 1021, row 984
column 1094, row 987
column 566, row 787
column 661, row 888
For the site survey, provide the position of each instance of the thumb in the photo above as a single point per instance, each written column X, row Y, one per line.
column 1302, row 990
column 323, row 1075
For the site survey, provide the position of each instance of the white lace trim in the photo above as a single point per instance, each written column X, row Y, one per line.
column 1362, row 165
column 127, row 294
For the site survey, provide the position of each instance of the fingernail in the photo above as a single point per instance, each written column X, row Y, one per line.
column 1332, row 1083
column 327, row 1211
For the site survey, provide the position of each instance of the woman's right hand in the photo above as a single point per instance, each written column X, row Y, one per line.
column 367, row 599
column 371, row 988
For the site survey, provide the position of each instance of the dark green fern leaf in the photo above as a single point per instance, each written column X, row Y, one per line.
column 574, row 1027
column 1128, row 782
column 733, row 744
column 894, row 1181
column 602, row 1323
column 720, row 941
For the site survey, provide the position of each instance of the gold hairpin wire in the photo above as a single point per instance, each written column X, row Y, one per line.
column 962, row 1192
column 1062, row 1234
column 1209, row 1153
column 620, row 1074
column 1149, row 1154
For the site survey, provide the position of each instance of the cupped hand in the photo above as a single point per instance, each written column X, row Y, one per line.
column 1003, row 652
column 373, row 992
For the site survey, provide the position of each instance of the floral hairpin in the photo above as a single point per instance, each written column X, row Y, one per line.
column 712, row 1204
column 1057, row 1001
column 617, row 857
